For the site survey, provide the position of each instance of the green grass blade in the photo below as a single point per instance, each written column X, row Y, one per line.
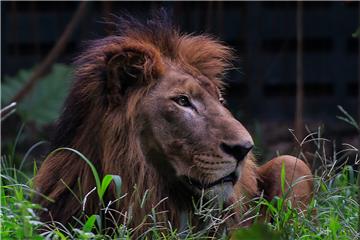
column 104, row 185
column 90, row 223
column 92, row 167
column 106, row 182
column 283, row 173
column 118, row 182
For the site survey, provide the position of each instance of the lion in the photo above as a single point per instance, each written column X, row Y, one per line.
column 147, row 105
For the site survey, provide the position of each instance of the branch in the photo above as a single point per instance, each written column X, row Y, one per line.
column 53, row 54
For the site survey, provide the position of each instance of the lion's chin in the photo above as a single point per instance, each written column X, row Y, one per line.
column 222, row 191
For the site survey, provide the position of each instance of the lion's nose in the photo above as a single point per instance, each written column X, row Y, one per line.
column 238, row 151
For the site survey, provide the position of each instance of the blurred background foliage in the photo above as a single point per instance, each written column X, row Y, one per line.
column 43, row 104
column 33, row 118
column 261, row 91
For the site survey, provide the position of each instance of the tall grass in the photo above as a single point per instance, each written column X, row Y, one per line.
column 332, row 214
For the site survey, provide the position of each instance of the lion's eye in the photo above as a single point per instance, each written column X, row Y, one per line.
column 222, row 101
column 182, row 100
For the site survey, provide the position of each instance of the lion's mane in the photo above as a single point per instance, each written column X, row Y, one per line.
column 103, row 125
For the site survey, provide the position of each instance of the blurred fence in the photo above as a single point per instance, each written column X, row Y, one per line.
column 263, row 33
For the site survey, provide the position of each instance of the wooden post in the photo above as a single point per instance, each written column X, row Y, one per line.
column 299, row 123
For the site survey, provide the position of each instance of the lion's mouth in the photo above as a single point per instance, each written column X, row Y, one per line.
column 232, row 178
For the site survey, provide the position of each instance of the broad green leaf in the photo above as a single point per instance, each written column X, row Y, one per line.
column 12, row 85
column 43, row 104
column 90, row 223
column 106, row 182
column 59, row 234
column 118, row 182
column 104, row 185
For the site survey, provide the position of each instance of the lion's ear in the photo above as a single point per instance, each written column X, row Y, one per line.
column 132, row 66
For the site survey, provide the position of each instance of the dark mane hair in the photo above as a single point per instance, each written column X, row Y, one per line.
column 100, row 118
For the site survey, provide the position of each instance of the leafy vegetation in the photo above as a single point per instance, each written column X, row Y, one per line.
column 43, row 104
column 332, row 214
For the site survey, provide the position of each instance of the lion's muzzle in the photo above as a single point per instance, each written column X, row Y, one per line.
column 238, row 151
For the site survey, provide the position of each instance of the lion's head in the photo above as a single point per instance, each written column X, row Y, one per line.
column 147, row 105
column 187, row 133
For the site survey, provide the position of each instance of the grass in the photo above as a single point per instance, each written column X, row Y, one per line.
column 332, row 214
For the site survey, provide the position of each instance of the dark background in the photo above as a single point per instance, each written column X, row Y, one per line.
column 261, row 93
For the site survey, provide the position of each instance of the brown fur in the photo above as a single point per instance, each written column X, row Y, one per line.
column 108, row 114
